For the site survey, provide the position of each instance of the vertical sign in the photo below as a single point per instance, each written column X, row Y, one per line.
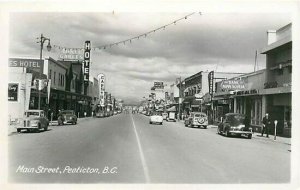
column 86, row 65
column 13, row 92
column 211, row 82
column 101, row 79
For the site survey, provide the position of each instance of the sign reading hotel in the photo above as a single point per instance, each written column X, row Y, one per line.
column 71, row 55
column 233, row 85
column 34, row 64
column 101, row 79
column 86, row 62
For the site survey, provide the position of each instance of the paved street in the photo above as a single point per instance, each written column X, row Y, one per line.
column 137, row 152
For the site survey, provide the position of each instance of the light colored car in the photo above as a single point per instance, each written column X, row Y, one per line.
column 156, row 117
column 171, row 117
column 196, row 119
column 34, row 120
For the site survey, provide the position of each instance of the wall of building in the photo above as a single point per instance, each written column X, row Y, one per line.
column 16, row 108
column 57, row 73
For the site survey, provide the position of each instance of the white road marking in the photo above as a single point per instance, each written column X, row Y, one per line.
column 145, row 167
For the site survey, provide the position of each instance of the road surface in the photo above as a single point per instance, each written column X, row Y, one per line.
column 125, row 148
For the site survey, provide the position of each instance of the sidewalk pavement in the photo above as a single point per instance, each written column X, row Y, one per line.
column 12, row 129
column 255, row 135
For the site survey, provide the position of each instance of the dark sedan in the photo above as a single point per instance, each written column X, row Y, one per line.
column 67, row 116
column 233, row 124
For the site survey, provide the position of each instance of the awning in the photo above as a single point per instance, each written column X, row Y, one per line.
column 173, row 109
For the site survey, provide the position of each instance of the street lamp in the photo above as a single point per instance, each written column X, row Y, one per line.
column 42, row 41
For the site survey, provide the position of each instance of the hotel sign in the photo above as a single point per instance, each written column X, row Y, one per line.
column 233, row 85
column 101, row 79
column 86, row 62
column 34, row 64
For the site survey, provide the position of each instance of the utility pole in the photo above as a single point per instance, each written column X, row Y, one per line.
column 42, row 41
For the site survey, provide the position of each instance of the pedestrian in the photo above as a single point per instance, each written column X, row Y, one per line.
column 266, row 122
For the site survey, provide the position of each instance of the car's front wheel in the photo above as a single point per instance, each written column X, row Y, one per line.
column 19, row 130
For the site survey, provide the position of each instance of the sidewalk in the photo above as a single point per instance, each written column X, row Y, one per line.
column 255, row 135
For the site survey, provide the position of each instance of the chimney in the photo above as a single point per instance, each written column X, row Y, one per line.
column 271, row 36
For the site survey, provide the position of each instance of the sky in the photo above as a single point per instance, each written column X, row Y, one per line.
column 223, row 42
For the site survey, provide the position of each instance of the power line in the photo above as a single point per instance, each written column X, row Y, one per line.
column 129, row 40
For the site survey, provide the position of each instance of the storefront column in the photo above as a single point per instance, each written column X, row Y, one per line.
column 234, row 105
column 263, row 105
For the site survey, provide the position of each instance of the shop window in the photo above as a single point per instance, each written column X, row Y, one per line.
column 54, row 77
column 59, row 79
column 50, row 73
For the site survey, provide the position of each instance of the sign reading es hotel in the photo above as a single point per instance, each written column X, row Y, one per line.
column 34, row 64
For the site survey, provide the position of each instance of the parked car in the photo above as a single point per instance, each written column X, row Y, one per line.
column 171, row 116
column 156, row 117
column 234, row 124
column 67, row 116
column 196, row 119
column 164, row 115
column 34, row 120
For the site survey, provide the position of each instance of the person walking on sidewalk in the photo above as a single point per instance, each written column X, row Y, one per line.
column 266, row 122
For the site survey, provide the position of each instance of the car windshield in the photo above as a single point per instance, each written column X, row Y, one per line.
column 67, row 112
column 157, row 113
column 199, row 115
column 236, row 119
column 35, row 114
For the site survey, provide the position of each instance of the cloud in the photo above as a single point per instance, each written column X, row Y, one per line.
column 212, row 41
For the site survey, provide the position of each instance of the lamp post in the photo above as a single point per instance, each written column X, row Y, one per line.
column 42, row 41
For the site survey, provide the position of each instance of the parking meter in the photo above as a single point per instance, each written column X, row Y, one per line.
column 275, row 124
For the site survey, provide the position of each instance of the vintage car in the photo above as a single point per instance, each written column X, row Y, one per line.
column 68, row 116
column 171, row 116
column 234, row 124
column 164, row 115
column 196, row 119
column 34, row 120
column 100, row 113
column 156, row 117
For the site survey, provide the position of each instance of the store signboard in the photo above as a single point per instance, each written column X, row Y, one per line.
column 13, row 92
column 101, row 82
column 158, row 85
column 211, row 82
column 71, row 54
column 34, row 64
column 233, row 85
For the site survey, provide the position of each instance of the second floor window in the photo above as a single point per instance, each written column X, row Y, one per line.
column 54, row 77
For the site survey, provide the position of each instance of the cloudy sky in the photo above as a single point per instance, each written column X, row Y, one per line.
column 223, row 42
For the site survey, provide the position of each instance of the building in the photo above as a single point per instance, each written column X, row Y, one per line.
column 242, row 94
column 194, row 92
column 277, row 88
column 22, row 91
column 265, row 91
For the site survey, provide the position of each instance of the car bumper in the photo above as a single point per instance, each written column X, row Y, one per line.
column 240, row 132
column 69, row 121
